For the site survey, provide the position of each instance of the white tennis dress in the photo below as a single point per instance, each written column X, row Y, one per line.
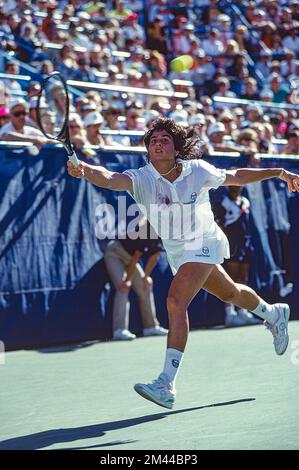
column 180, row 211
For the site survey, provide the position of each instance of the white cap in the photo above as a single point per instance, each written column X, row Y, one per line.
column 216, row 127
column 266, row 93
column 92, row 119
column 17, row 102
column 150, row 115
column 254, row 107
column 180, row 117
column 197, row 119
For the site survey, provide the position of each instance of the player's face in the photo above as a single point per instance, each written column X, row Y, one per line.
column 161, row 147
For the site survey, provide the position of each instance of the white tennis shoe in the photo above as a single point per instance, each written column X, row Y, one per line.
column 159, row 391
column 279, row 329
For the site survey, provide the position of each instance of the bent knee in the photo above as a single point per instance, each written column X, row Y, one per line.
column 230, row 295
column 176, row 304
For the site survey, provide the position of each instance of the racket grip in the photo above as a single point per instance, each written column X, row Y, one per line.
column 74, row 159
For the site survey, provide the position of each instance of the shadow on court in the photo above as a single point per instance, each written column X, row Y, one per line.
column 56, row 436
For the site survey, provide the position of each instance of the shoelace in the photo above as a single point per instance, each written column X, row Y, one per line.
column 160, row 383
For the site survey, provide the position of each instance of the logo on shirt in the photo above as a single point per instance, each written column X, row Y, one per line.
column 163, row 199
column 193, row 198
column 205, row 252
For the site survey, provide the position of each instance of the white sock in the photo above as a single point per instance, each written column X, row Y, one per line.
column 265, row 311
column 172, row 363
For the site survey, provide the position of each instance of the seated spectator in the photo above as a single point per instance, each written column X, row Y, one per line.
column 254, row 113
column 250, row 89
column 17, row 130
column 77, row 134
column 292, row 147
column 291, row 41
column 233, row 215
column 92, row 124
column 248, row 143
column 213, row 46
column 216, row 132
column 263, row 65
column 122, row 261
column 12, row 84
column 279, row 90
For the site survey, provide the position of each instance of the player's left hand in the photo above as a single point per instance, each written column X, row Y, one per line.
column 292, row 179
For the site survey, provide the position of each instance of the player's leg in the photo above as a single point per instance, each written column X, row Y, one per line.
column 186, row 284
column 276, row 316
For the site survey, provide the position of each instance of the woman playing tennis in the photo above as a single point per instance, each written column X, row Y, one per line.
column 176, row 176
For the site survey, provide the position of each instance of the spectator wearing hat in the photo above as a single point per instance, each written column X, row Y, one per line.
column 149, row 117
column 266, row 95
column 227, row 118
column 92, row 124
column 263, row 65
column 132, row 30
column 248, row 143
column 254, row 113
column 289, row 65
column 76, row 129
column 32, row 119
column 225, row 28
column 279, row 90
column 17, row 130
column 216, row 132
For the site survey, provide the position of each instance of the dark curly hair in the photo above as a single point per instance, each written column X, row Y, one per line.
column 185, row 141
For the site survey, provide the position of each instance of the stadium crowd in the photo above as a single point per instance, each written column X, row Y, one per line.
column 248, row 51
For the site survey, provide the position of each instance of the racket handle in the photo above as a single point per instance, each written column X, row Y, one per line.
column 74, row 159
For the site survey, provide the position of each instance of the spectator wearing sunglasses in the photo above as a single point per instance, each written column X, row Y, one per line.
column 17, row 130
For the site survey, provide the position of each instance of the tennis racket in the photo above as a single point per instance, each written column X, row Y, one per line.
column 53, row 112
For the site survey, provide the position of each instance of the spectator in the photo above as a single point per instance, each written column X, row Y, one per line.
column 122, row 261
column 213, row 46
column 263, row 65
column 279, row 90
column 12, row 84
column 291, row 41
column 233, row 215
column 292, row 147
column 17, row 130
column 92, row 124
column 250, row 89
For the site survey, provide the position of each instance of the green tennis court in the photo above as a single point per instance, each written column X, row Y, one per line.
column 233, row 393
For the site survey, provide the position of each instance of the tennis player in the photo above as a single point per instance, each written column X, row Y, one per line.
column 175, row 175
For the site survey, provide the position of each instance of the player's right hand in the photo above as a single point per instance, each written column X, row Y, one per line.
column 76, row 171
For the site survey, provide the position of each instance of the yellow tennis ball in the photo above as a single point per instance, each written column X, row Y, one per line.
column 181, row 63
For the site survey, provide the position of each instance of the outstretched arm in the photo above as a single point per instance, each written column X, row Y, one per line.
column 243, row 176
column 100, row 176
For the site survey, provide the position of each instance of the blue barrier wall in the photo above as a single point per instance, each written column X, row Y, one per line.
column 53, row 284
